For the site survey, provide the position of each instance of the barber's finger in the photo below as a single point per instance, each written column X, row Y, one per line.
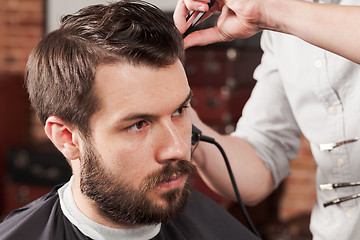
column 179, row 16
column 204, row 37
column 182, row 9
column 197, row 5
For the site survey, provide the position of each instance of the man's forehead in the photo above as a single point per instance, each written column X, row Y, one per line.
column 123, row 74
column 128, row 88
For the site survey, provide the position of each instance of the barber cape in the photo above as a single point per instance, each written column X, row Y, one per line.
column 44, row 219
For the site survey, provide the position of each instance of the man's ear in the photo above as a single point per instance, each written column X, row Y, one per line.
column 63, row 136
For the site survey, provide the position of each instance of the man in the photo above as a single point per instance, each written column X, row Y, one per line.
column 111, row 90
column 300, row 89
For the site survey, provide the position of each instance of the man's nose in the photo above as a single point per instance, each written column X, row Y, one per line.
column 172, row 143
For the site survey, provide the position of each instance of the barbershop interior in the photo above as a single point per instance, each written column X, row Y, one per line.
column 221, row 78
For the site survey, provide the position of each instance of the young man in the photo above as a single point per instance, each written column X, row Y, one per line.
column 111, row 90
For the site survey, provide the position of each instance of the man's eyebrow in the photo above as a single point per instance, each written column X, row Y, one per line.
column 187, row 100
column 133, row 117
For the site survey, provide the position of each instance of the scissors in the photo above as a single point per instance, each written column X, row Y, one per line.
column 196, row 20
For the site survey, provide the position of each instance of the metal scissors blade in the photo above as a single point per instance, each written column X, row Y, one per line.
column 197, row 19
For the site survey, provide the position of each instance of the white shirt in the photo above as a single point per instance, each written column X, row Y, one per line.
column 95, row 230
column 304, row 89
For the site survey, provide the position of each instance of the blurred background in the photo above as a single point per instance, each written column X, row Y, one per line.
column 220, row 76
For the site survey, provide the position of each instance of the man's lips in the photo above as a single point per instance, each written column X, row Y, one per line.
column 175, row 181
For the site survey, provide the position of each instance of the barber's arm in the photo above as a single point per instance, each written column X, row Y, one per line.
column 332, row 27
column 253, row 178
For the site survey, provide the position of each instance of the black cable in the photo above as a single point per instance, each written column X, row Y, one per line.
column 236, row 190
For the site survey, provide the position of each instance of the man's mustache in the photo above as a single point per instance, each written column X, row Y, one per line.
column 178, row 167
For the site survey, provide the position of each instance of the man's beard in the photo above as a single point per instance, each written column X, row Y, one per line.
column 118, row 201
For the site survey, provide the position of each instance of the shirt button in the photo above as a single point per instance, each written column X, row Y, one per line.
column 340, row 162
column 349, row 213
column 332, row 110
column 318, row 63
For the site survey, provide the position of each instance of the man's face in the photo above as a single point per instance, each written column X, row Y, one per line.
column 136, row 164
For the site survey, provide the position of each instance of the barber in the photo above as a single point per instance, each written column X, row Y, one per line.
column 329, row 26
column 301, row 89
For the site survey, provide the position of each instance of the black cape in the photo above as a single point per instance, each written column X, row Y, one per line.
column 43, row 219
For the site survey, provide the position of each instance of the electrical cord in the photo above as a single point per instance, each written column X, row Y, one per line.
column 197, row 136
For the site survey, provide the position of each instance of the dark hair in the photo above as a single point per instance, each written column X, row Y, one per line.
column 60, row 71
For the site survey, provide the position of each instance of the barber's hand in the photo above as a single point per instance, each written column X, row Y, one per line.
column 238, row 19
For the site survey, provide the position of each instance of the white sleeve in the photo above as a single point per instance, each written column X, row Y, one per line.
column 267, row 121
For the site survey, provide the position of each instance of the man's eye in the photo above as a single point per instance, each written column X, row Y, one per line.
column 180, row 111
column 138, row 126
